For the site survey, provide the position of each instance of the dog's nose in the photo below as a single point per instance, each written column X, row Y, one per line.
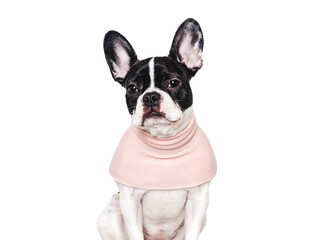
column 151, row 99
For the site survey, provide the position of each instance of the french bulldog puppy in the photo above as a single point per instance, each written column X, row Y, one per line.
column 163, row 194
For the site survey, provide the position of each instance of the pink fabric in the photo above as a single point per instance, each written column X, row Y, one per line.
column 144, row 161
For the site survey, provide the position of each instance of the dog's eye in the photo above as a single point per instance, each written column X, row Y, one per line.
column 132, row 88
column 174, row 83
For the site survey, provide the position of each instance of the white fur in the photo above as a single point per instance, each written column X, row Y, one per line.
column 151, row 73
column 173, row 214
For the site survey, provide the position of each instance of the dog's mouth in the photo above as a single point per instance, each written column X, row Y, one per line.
column 152, row 113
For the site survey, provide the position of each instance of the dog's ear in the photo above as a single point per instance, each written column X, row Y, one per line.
column 187, row 45
column 119, row 54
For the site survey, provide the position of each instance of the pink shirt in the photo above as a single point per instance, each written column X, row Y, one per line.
column 144, row 161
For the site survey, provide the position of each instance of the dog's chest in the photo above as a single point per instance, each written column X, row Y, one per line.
column 163, row 212
column 161, row 205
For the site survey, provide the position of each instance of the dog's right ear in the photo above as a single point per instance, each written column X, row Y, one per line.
column 119, row 54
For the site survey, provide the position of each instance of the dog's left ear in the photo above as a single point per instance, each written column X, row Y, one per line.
column 187, row 45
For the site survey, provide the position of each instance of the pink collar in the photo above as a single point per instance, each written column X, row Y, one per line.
column 144, row 161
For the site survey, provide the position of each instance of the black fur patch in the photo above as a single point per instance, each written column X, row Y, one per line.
column 166, row 69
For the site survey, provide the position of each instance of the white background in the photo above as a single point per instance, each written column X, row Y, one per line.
column 256, row 97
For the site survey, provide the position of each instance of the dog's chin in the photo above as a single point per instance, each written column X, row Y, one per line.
column 157, row 121
column 154, row 117
column 160, row 126
column 162, row 123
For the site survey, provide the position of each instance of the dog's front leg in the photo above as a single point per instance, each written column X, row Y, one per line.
column 131, row 209
column 195, row 211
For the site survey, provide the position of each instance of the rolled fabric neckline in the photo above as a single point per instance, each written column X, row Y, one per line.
column 148, row 162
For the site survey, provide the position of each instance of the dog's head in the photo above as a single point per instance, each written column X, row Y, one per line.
column 158, row 92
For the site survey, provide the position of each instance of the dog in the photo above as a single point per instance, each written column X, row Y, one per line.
column 164, row 163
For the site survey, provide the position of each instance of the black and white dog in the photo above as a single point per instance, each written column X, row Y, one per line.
column 159, row 99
